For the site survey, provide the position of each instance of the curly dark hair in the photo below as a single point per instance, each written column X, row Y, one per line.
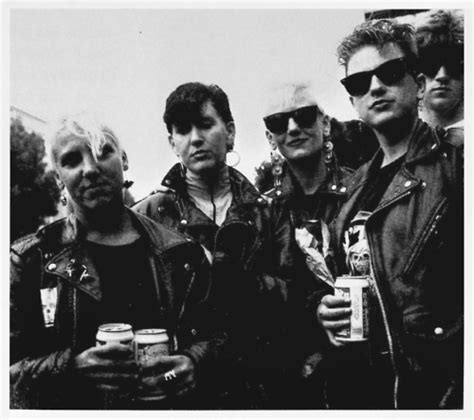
column 439, row 28
column 185, row 103
column 378, row 33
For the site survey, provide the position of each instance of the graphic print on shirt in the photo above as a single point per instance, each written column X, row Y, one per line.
column 356, row 246
column 49, row 299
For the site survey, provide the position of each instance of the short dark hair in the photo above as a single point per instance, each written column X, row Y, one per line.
column 185, row 103
column 378, row 33
column 439, row 30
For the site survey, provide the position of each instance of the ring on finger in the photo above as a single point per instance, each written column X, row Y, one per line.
column 170, row 375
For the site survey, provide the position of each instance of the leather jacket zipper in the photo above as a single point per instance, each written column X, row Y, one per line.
column 384, row 319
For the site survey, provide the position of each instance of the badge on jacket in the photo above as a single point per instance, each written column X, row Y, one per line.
column 49, row 298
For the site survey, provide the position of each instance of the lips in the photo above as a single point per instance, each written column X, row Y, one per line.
column 93, row 187
column 199, row 153
column 380, row 103
column 296, row 142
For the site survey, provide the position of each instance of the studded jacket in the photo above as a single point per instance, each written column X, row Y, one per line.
column 416, row 247
column 42, row 348
column 252, row 291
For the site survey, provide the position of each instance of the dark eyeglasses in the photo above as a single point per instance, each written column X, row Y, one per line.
column 305, row 118
column 389, row 73
column 430, row 66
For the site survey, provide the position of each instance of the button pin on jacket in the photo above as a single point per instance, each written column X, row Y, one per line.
column 407, row 184
column 52, row 267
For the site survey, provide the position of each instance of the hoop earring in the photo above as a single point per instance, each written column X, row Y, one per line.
column 235, row 161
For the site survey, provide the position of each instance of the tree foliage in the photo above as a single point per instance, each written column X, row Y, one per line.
column 33, row 190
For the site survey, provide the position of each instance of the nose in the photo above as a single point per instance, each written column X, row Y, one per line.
column 91, row 166
column 376, row 85
column 442, row 74
column 196, row 136
column 293, row 127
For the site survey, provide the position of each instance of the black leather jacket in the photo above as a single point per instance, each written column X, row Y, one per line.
column 40, row 355
column 257, row 298
column 416, row 247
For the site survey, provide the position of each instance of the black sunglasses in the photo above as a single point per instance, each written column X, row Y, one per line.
column 305, row 118
column 389, row 73
column 430, row 66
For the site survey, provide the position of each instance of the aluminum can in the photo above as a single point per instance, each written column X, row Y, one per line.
column 114, row 333
column 356, row 288
column 150, row 343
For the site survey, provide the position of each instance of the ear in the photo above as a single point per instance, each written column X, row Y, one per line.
column 326, row 126
column 124, row 161
column 270, row 139
column 58, row 180
column 421, row 83
column 172, row 144
column 231, row 135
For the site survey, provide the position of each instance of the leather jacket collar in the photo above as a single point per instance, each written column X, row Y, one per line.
column 290, row 189
column 242, row 190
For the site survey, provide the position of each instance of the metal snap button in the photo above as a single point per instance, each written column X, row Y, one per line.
column 407, row 184
column 52, row 266
column 438, row 331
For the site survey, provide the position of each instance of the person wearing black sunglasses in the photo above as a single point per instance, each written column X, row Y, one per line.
column 405, row 211
column 305, row 199
column 440, row 40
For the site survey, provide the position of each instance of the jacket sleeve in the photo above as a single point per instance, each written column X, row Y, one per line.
column 35, row 371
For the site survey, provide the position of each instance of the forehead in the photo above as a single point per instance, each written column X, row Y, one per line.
column 69, row 141
column 208, row 110
column 286, row 100
column 370, row 57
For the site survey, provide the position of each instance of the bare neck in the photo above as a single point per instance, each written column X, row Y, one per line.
column 309, row 173
column 108, row 226
column 394, row 140
column 442, row 119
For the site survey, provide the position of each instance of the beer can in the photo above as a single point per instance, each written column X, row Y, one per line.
column 114, row 333
column 356, row 288
column 150, row 343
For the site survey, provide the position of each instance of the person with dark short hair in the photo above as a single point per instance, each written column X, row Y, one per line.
column 440, row 39
column 402, row 228
column 215, row 204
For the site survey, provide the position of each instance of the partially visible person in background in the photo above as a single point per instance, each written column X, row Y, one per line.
column 440, row 39
column 105, row 263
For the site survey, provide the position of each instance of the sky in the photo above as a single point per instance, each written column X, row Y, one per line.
column 122, row 64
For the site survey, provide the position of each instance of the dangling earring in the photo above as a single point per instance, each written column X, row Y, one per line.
column 231, row 152
column 328, row 148
column 276, row 161
column 63, row 200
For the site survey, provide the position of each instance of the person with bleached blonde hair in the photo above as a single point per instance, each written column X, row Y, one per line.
column 104, row 264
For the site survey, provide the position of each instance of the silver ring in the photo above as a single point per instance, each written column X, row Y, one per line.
column 171, row 374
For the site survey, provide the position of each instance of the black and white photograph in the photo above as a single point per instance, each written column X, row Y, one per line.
column 236, row 209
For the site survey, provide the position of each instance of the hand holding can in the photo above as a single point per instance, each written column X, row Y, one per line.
column 334, row 314
column 356, row 290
